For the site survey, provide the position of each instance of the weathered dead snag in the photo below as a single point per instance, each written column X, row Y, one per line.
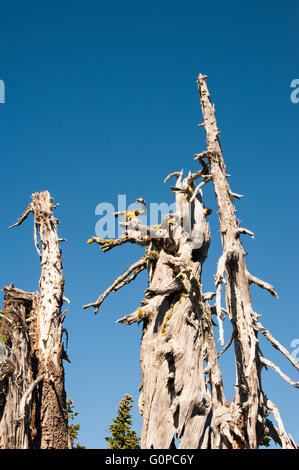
column 232, row 267
column 174, row 398
column 182, row 392
column 32, row 395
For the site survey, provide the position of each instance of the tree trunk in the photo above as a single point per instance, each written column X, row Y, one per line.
column 174, row 398
column 38, row 397
column 249, row 393
column 15, row 371
column 178, row 356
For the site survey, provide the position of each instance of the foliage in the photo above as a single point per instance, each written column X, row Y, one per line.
column 73, row 429
column 266, row 441
column 3, row 338
column 122, row 436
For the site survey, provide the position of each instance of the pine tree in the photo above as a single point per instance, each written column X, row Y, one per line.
column 73, row 429
column 122, row 436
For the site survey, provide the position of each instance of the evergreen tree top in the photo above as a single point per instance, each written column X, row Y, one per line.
column 121, row 434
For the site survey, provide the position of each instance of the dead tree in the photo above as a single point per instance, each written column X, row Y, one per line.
column 15, row 373
column 32, row 394
column 182, row 391
column 231, row 269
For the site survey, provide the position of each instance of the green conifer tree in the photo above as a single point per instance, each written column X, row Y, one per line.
column 122, row 436
column 73, row 429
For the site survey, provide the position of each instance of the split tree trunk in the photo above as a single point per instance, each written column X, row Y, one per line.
column 34, row 395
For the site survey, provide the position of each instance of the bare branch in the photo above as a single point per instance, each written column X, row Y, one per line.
column 262, row 284
column 140, row 314
column 193, row 176
column 27, row 395
column 213, row 311
column 108, row 244
column 141, row 262
column 245, row 231
column 23, row 216
column 277, row 369
column 66, row 299
column 235, row 195
column 174, row 173
column 198, row 187
column 227, row 345
column 130, row 278
column 177, row 189
column 133, row 213
column 258, row 326
column 204, row 154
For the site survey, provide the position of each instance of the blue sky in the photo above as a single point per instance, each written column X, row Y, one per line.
column 101, row 100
